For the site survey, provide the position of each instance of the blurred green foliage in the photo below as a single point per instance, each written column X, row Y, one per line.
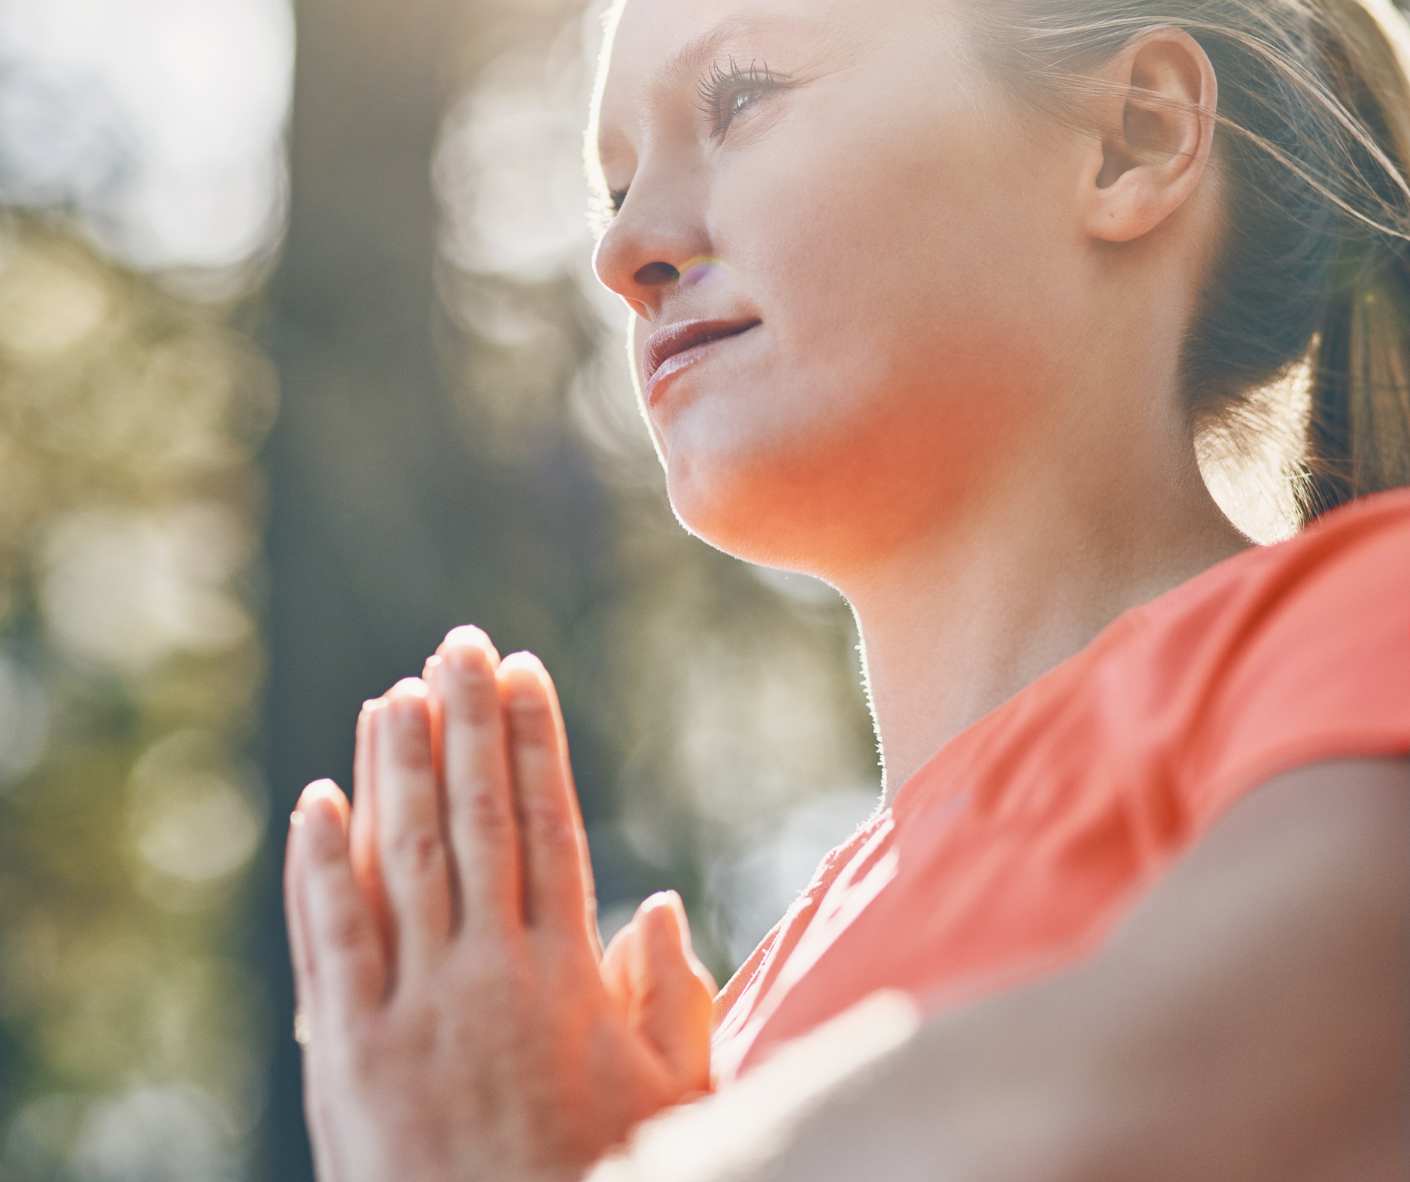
column 130, row 673
column 249, row 477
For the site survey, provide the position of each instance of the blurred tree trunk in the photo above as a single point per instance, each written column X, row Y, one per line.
column 361, row 466
column 386, row 526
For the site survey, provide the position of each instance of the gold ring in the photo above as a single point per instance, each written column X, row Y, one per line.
column 302, row 1034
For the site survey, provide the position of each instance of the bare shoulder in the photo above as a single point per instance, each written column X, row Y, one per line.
column 1345, row 793
column 1338, row 817
column 1258, row 996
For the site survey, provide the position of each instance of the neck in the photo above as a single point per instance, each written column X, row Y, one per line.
column 1014, row 582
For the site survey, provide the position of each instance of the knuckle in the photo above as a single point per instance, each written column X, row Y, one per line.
column 531, row 722
column 348, row 931
column 418, row 852
column 413, row 745
column 488, row 810
column 493, row 968
column 418, row 1032
column 550, row 825
column 475, row 699
column 361, row 1050
column 406, row 720
column 563, row 959
column 471, row 678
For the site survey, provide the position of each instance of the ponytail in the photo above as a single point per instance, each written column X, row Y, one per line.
column 1313, row 271
column 1358, row 431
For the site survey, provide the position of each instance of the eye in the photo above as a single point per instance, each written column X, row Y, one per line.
column 602, row 208
column 726, row 92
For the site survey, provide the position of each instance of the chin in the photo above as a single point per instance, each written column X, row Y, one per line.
column 758, row 512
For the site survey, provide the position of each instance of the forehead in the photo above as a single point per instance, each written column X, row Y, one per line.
column 655, row 45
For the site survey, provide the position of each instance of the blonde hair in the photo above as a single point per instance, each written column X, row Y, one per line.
column 1313, row 270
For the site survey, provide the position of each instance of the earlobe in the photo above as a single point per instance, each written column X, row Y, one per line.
column 1156, row 135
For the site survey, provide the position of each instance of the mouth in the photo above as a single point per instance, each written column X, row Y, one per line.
column 672, row 349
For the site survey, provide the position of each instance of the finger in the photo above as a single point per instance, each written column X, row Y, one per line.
column 433, row 705
column 349, row 970
column 484, row 834
column 301, row 951
column 315, row 1119
column 675, row 1005
column 618, row 964
column 693, row 962
column 558, row 887
column 436, row 728
column 366, row 862
column 410, row 839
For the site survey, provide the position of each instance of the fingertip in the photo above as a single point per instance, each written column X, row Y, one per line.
column 413, row 687
column 677, row 905
column 324, row 810
column 322, row 794
column 470, row 635
column 672, row 929
column 649, row 904
column 661, row 922
column 521, row 671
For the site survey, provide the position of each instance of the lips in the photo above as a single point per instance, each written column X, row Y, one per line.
column 678, row 338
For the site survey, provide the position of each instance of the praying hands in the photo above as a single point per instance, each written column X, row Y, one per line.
column 460, row 1019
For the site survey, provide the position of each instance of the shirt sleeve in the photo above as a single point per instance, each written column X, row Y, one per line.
column 1309, row 660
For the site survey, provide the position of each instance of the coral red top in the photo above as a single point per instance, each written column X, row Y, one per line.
column 1020, row 841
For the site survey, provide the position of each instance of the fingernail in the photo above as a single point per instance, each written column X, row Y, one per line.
column 660, row 901
column 470, row 634
column 521, row 681
column 524, row 659
column 678, row 906
column 658, row 918
column 321, row 818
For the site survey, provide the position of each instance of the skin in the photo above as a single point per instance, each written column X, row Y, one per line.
column 959, row 409
column 1171, row 1055
column 463, row 1021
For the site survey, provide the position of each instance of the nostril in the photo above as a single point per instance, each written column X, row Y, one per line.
column 657, row 273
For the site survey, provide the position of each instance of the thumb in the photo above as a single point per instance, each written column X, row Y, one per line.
column 674, row 991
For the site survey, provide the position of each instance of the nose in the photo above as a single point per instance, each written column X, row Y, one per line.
column 641, row 254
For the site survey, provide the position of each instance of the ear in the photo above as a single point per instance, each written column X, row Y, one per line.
column 1157, row 133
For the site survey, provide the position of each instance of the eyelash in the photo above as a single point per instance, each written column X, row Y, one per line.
column 720, row 87
column 721, row 83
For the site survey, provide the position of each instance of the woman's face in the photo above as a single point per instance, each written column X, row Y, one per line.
column 841, row 173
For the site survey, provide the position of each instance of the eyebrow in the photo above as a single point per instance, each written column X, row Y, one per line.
column 686, row 62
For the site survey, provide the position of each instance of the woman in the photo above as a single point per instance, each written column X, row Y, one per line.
column 931, row 299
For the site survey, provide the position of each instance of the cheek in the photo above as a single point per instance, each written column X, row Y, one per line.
column 893, row 262
column 882, row 267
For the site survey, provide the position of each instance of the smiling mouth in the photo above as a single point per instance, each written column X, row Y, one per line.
column 682, row 358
